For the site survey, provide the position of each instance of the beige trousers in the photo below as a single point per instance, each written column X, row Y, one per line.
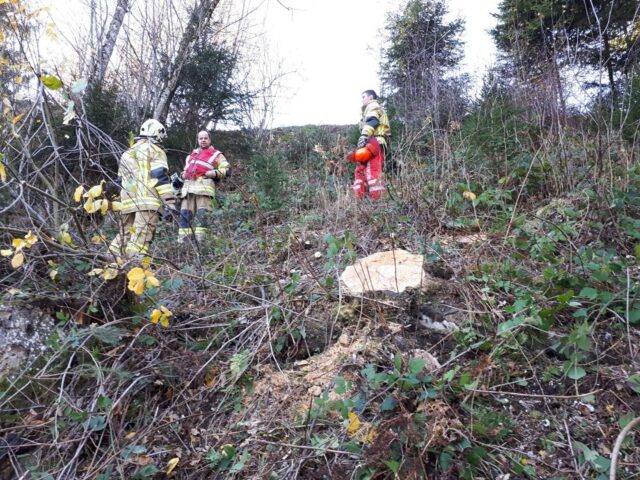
column 136, row 233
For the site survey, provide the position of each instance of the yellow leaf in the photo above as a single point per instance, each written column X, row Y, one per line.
column 90, row 205
column 130, row 435
column 17, row 260
column 110, row 273
column 98, row 239
column 469, row 195
column 53, row 274
column 1, row 36
column 166, row 311
column 155, row 315
column 17, row 118
column 18, row 244
column 135, row 274
column 6, row 253
column 370, row 436
column 146, row 262
column 65, row 237
column 77, row 195
column 152, row 281
column 354, row 424
column 116, row 206
column 95, row 271
column 136, row 287
column 30, row 239
column 104, row 207
column 171, row 465
column 95, row 191
column 3, row 172
column 164, row 321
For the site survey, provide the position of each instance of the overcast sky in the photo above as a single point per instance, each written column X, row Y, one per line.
column 333, row 46
column 330, row 47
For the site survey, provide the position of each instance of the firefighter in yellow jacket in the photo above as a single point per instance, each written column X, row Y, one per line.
column 145, row 191
column 374, row 122
column 203, row 167
column 374, row 133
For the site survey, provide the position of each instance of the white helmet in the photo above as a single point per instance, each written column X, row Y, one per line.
column 153, row 129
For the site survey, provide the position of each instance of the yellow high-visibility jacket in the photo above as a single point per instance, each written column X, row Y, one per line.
column 375, row 122
column 203, row 185
column 144, row 178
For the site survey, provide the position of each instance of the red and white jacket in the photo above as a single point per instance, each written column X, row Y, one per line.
column 197, row 165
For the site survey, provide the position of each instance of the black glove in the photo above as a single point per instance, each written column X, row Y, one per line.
column 170, row 212
column 177, row 181
column 362, row 141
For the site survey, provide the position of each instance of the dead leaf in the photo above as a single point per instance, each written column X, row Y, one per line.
column 142, row 460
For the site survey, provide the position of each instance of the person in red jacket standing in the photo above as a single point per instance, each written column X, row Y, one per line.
column 202, row 168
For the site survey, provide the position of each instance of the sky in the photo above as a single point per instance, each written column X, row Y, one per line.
column 330, row 50
column 333, row 49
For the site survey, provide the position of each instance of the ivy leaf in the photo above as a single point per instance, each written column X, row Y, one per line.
column 51, row 82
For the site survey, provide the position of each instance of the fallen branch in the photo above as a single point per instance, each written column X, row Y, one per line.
column 535, row 395
column 616, row 446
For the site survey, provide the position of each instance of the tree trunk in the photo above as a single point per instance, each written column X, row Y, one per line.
column 101, row 60
column 199, row 19
column 609, row 63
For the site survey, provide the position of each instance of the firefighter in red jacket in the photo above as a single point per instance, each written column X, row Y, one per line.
column 202, row 168
column 372, row 148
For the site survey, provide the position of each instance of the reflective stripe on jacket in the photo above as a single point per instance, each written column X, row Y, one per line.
column 143, row 174
column 382, row 131
column 196, row 165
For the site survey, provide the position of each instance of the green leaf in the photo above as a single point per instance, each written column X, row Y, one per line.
column 634, row 315
column 634, row 382
column 79, row 85
column 242, row 460
column 445, row 461
column 575, row 373
column 108, row 335
column 566, row 297
column 416, row 365
column 636, row 251
column 626, row 419
column 239, row 363
column 51, row 82
column 589, row 293
column 397, row 362
column 588, row 455
column 145, row 472
column 96, row 424
column 393, row 465
column 389, row 404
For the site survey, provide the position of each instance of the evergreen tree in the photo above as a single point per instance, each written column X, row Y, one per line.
column 419, row 65
column 538, row 35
